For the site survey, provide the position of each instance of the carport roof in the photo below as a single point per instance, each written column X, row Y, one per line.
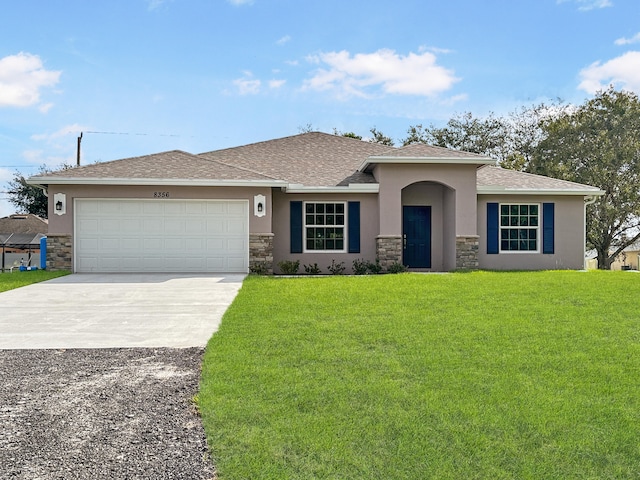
column 20, row 240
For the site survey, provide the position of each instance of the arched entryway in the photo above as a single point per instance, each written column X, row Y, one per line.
column 428, row 226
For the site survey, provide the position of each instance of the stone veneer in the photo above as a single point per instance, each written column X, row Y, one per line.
column 59, row 252
column 389, row 250
column 467, row 252
column 261, row 252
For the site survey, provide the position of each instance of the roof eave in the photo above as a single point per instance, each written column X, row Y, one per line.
column 538, row 191
column 426, row 160
column 176, row 182
column 351, row 188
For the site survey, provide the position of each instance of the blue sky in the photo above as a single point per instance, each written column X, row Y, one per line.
column 200, row 75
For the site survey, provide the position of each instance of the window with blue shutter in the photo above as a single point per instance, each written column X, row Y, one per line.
column 493, row 228
column 296, row 227
column 353, row 235
column 548, row 220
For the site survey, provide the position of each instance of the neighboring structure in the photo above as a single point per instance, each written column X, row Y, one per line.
column 629, row 259
column 312, row 197
column 20, row 236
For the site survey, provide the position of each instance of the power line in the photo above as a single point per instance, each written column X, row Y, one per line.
column 138, row 134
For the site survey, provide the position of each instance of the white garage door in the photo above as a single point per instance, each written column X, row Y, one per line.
column 161, row 235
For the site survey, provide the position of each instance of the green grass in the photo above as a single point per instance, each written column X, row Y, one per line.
column 17, row 279
column 464, row 376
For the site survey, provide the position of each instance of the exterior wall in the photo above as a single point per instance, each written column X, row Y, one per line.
column 467, row 252
column 282, row 233
column 569, row 241
column 63, row 224
column 261, row 252
column 59, row 252
column 389, row 251
column 461, row 179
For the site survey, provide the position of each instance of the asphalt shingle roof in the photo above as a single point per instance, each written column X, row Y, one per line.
column 312, row 159
column 490, row 176
column 315, row 158
column 174, row 164
column 23, row 224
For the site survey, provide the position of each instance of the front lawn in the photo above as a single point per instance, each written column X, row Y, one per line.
column 469, row 375
column 16, row 279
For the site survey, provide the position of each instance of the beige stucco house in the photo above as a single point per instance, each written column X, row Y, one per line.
column 312, row 197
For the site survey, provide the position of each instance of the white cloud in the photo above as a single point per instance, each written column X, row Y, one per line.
column 627, row 41
column 283, row 40
column 276, row 83
column 622, row 71
column 248, row 85
column 22, row 76
column 358, row 75
column 586, row 5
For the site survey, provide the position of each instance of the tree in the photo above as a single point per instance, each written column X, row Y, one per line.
column 598, row 144
column 488, row 136
column 379, row 137
column 346, row 134
column 29, row 198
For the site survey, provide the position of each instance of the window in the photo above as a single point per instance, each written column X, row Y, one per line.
column 519, row 227
column 324, row 225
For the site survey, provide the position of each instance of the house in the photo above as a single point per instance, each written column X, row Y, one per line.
column 312, row 197
column 20, row 236
column 628, row 259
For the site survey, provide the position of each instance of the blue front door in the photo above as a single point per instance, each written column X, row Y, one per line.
column 416, row 236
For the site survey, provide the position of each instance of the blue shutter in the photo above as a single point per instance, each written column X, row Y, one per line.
column 548, row 215
column 296, row 227
column 493, row 228
column 354, row 227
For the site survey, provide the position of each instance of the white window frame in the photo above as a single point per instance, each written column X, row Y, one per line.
column 537, row 228
column 344, row 226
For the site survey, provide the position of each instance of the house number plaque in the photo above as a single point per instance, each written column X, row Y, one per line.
column 160, row 194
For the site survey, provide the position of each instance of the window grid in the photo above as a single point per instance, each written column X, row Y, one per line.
column 519, row 227
column 324, row 226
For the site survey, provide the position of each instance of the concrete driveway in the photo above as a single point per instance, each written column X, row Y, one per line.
column 116, row 310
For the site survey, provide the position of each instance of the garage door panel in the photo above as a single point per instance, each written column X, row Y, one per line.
column 163, row 236
column 153, row 225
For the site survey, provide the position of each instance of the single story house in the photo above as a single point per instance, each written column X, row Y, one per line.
column 20, row 236
column 313, row 197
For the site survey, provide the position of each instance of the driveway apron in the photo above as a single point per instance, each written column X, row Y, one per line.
column 116, row 310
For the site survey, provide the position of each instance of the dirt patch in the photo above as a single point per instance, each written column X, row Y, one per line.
column 101, row 414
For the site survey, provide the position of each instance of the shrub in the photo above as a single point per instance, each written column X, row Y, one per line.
column 360, row 267
column 258, row 268
column 397, row 268
column 289, row 267
column 312, row 269
column 374, row 268
column 336, row 268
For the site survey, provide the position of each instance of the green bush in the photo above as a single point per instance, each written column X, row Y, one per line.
column 360, row 267
column 397, row 268
column 374, row 267
column 258, row 268
column 289, row 267
column 336, row 268
column 312, row 269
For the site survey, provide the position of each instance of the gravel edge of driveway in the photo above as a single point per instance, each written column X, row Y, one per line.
column 102, row 414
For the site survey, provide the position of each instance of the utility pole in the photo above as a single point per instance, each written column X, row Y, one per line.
column 78, row 156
